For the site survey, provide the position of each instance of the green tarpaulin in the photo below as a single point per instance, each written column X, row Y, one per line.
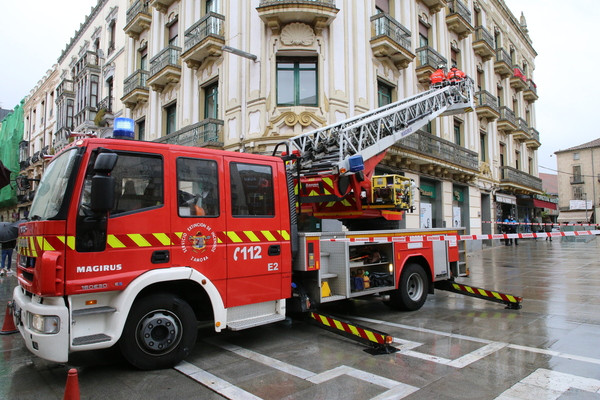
column 11, row 133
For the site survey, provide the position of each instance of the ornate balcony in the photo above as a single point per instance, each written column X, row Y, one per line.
column 483, row 43
column 459, row 19
column 317, row 13
column 65, row 88
column 534, row 139
column 431, row 154
column 530, row 92
column 486, row 105
column 522, row 131
column 428, row 61
column 507, row 121
column 518, row 81
column 518, row 181
column 88, row 63
column 135, row 89
column 204, row 39
column 434, row 5
column 165, row 68
column 206, row 133
column 162, row 5
column 390, row 40
column 503, row 64
column 138, row 19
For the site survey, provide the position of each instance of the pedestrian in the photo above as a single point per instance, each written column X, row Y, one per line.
column 7, row 252
column 537, row 227
column 506, row 228
column 548, row 228
column 514, row 228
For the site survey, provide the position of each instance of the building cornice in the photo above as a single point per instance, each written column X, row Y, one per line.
column 82, row 28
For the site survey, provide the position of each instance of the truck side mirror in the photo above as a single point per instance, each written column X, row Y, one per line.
column 103, row 185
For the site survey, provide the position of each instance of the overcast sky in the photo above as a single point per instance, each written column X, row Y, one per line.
column 34, row 32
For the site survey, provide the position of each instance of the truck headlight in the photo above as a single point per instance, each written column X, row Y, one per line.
column 47, row 324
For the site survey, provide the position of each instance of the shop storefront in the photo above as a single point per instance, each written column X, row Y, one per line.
column 429, row 208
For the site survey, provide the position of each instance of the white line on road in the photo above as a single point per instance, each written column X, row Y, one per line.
column 548, row 385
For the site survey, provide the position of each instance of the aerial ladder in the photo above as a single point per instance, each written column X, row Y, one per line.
column 333, row 166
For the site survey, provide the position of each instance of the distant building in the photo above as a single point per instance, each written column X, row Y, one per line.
column 578, row 182
column 4, row 113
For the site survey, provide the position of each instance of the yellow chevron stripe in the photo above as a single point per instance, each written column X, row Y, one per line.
column 139, row 240
column 251, row 236
column 324, row 321
column 179, row 234
column 32, row 247
column 234, row 237
column 285, row 235
column 162, row 238
column 269, row 236
column 338, row 325
column 470, row 289
column 497, row 295
column 47, row 246
column 511, row 298
column 114, row 242
column 371, row 337
column 482, row 292
column 71, row 242
column 354, row 330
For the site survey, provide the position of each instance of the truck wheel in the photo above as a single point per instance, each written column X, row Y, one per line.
column 412, row 289
column 160, row 331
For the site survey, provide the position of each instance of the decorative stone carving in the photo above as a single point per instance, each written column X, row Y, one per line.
column 297, row 34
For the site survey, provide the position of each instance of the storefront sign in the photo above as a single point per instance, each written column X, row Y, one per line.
column 506, row 198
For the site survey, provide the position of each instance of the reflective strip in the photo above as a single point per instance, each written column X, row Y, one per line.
column 251, row 236
column 162, row 238
column 234, row 237
column 284, row 234
column 139, row 239
column 114, row 242
column 269, row 236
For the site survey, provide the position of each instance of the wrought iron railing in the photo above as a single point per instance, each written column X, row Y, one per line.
column 210, row 25
column 483, row 98
column 429, row 57
column 327, row 3
column 106, row 104
column 522, row 125
column 503, row 56
column 139, row 7
column 532, row 86
column 204, row 133
column 482, row 34
column 535, row 135
column 169, row 56
column 137, row 80
column 458, row 7
column 384, row 25
column 508, row 115
column 430, row 145
column 513, row 175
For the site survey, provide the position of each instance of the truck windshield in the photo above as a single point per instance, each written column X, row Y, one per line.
column 52, row 187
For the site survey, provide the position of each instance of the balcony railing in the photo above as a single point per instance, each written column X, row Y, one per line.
column 169, row 56
column 65, row 88
column 391, row 40
column 535, row 135
column 430, row 145
column 106, row 104
column 139, row 7
column 506, row 114
column 210, row 25
column 483, row 43
column 483, row 98
column 204, row 133
column 137, row 80
column 458, row 7
column 326, row 3
column 278, row 13
column 576, row 180
column 513, row 175
column 530, row 93
column 385, row 25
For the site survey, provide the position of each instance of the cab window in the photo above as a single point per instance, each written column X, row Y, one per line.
column 138, row 183
column 197, row 188
column 251, row 190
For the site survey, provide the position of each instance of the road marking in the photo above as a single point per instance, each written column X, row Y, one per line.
column 491, row 346
column 546, row 384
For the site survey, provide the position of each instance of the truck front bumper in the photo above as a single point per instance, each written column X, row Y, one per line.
column 31, row 317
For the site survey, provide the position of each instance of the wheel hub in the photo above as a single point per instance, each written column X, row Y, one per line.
column 159, row 331
column 414, row 286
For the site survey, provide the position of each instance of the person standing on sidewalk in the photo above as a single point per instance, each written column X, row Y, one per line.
column 7, row 252
column 548, row 227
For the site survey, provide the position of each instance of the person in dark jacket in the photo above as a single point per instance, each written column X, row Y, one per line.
column 7, row 252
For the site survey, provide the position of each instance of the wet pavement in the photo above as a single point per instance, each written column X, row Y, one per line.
column 455, row 347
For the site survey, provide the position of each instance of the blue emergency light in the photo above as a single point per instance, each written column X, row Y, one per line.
column 123, row 128
column 356, row 163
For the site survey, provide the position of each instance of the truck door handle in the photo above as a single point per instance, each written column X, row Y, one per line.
column 274, row 250
column 160, row 257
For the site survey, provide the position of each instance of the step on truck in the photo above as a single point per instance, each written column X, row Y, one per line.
column 131, row 243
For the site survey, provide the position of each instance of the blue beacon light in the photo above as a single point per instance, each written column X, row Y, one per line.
column 123, row 128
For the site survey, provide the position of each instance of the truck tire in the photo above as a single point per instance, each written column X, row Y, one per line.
column 160, row 332
column 412, row 289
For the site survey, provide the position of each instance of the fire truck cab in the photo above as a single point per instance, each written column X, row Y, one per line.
column 138, row 242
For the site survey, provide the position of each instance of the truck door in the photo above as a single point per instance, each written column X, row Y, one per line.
column 255, row 235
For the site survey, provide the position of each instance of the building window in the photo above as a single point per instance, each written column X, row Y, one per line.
column 498, row 38
column 500, row 97
column 480, row 79
column 110, row 87
column 211, row 6
column 70, row 109
column 482, row 146
column 141, row 129
column 297, row 82
column 502, row 154
column 517, row 159
column 575, row 156
column 93, row 91
column 423, row 34
column 143, row 54
column 171, row 114
column 530, row 166
column 578, row 193
column 211, row 101
column 457, row 132
column 112, row 31
column 384, row 94
column 173, row 28
column 577, row 174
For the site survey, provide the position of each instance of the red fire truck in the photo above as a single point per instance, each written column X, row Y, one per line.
column 132, row 243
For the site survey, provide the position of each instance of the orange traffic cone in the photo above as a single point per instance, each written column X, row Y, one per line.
column 9, row 324
column 72, row 387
